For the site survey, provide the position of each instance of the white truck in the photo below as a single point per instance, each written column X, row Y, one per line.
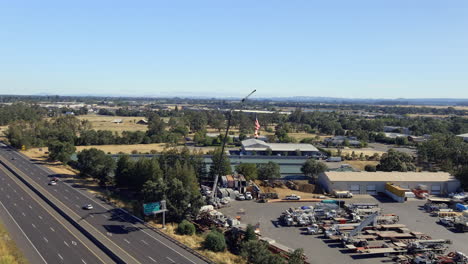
column 248, row 196
column 342, row 194
column 293, row 197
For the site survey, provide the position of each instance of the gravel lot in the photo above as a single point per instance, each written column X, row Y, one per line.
column 316, row 249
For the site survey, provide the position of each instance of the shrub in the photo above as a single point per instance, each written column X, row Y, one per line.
column 186, row 228
column 369, row 167
column 215, row 241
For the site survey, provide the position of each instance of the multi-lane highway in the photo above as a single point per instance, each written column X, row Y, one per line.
column 50, row 237
column 124, row 231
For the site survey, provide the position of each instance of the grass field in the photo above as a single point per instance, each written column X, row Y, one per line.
column 100, row 122
column 9, row 253
column 357, row 151
column 360, row 164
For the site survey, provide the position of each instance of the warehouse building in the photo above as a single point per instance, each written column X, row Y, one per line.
column 363, row 182
column 258, row 147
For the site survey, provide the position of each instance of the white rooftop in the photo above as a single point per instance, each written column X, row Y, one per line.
column 258, row 145
column 393, row 176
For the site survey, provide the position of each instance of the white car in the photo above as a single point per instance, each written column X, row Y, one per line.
column 88, row 207
column 240, row 197
column 293, row 197
column 248, row 196
column 53, row 183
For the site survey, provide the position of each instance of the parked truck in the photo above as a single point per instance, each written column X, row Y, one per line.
column 342, row 194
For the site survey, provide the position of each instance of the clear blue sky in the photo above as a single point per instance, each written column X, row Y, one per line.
column 359, row 49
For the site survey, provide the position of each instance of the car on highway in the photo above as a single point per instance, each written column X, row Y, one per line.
column 53, row 183
column 88, row 207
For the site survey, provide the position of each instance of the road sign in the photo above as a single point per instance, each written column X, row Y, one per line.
column 154, row 208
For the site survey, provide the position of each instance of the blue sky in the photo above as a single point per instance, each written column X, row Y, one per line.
column 358, row 49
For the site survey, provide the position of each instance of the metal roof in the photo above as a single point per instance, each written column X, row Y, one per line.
column 393, row 176
column 255, row 144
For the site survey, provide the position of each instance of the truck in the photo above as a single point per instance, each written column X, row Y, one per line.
column 248, row 196
column 334, row 159
column 292, row 197
column 342, row 194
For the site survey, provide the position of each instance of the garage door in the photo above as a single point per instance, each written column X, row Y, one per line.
column 435, row 189
column 371, row 189
column 354, row 188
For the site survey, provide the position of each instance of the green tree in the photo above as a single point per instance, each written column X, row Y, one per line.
column 396, row 161
column 249, row 170
column 267, row 171
column 256, row 252
column 297, row 257
column 215, row 241
column 312, row 168
column 123, row 172
column 221, row 164
column 250, row 233
column 370, row 168
column 61, row 151
column 96, row 164
column 186, row 228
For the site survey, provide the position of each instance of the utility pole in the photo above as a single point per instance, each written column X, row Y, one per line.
column 215, row 184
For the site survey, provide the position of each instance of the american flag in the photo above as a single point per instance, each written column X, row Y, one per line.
column 257, row 127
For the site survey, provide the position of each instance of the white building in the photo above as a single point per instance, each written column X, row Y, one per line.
column 251, row 146
column 364, row 182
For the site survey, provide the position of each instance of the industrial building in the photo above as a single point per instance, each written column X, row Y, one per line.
column 255, row 146
column 363, row 182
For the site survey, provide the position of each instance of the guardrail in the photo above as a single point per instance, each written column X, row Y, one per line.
column 72, row 221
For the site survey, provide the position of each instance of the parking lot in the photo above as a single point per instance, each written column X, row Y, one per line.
column 316, row 249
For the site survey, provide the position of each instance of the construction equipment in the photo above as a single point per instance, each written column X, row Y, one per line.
column 370, row 220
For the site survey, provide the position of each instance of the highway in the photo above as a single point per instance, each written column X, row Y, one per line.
column 142, row 244
column 50, row 237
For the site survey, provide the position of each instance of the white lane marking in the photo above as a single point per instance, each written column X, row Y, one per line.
column 23, row 213
column 65, row 197
column 1, row 188
column 6, row 210
column 40, row 217
column 170, row 259
column 66, row 243
column 105, row 216
column 66, row 190
column 33, row 225
column 8, row 196
column 14, row 190
column 45, row 239
column 53, row 230
column 77, row 206
column 74, row 243
column 76, row 197
column 152, row 259
column 55, row 190
column 14, row 204
column 60, row 256
column 92, row 216
column 30, row 207
column 109, row 234
column 22, row 199
column 8, row 184
column 144, row 242
column 128, row 242
column 83, row 261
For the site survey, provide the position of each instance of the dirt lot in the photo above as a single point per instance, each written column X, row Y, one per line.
column 316, row 248
column 100, row 122
column 357, row 151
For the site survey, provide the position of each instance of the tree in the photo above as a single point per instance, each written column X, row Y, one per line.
column 256, row 252
column 249, row 170
column 186, row 228
column 401, row 141
column 370, row 168
column 61, row 151
column 96, row 164
column 123, row 172
column 312, row 168
column 221, row 164
column 215, row 241
column 268, row 171
column 396, row 161
column 250, row 233
column 297, row 257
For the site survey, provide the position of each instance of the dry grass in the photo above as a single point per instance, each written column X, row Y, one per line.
column 284, row 191
column 357, row 151
column 195, row 242
column 9, row 253
column 360, row 164
column 100, row 122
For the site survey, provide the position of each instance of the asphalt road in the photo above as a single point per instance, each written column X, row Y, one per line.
column 50, row 240
column 144, row 245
